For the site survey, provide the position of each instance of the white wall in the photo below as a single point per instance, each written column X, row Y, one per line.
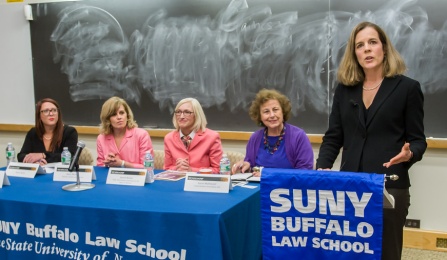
column 16, row 76
column 428, row 177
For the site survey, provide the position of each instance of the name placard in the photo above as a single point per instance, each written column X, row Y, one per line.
column 126, row 176
column 86, row 173
column 3, row 179
column 207, row 183
column 25, row 170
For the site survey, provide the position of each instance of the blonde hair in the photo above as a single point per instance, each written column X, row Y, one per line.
column 109, row 109
column 200, row 118
column 351, row 73
column 265, row 95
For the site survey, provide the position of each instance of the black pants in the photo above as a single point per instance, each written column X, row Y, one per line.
column 393, row 224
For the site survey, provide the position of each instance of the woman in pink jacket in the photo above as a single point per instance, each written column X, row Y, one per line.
column 191, row 146
column 121, row 143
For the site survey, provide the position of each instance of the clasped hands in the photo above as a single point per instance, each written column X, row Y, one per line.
column 113, row 160
column 182, row 164
column 35, row 158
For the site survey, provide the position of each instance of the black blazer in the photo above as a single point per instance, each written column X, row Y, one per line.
column 395, row 117
column 33, row 144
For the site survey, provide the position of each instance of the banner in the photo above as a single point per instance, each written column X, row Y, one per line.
column 310, row 214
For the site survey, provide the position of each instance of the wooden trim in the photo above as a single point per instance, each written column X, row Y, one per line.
column 438, row 143
column 423, row 239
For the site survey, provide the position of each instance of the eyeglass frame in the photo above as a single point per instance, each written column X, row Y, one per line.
column 47, row 111
column 186, row 113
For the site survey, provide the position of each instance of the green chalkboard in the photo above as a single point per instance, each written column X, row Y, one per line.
column 154, row 53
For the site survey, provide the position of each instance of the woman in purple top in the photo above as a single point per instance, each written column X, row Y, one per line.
column 277, row 144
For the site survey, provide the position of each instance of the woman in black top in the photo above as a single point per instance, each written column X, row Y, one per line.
column 44, row 142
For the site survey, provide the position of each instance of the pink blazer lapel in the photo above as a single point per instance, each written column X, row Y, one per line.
column 127, row 136
column 178, row 141
column 197, row 139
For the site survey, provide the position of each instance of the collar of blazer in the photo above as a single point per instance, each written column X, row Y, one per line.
column 388, row 86
column 197, row 138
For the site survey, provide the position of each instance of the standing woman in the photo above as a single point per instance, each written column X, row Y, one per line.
column 377, row 118
column 191, row 146
column 45, row 142
column 278, row 144
column 121, row 143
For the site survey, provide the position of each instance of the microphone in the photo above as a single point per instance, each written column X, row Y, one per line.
column 393, row 177
column 75, row 158
column 353, row 102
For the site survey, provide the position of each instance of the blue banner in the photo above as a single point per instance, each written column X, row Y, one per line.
column 321, row 214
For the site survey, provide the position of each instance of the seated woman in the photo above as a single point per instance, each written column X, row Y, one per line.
column 278, row 144
column 191, row 146
column 121, row 143
column 45, row 142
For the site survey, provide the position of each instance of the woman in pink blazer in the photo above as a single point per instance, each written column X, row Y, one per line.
column 121, row 143
column 191, row 146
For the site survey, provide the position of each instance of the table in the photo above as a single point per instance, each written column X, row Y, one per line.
column 39, row 220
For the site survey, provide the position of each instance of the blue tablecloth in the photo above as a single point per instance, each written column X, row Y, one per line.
column 39, row 220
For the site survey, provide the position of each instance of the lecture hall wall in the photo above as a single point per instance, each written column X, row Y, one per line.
column 428, row 177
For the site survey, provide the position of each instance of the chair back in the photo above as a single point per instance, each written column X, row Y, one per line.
column 159, row 159
column 86, row 157
column 234, row 156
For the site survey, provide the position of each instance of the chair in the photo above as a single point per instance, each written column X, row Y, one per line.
column 86, row 157
column 234, row 156
column 159, row 159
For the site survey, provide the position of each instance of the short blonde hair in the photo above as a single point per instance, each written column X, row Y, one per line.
column 200, row 118
column 265, row 95
column 109, row 109
column 351, row 73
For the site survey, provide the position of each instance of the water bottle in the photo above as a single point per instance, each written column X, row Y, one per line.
column 225, row 165
column 149, row 165
column 66, row 156
column 10, row 154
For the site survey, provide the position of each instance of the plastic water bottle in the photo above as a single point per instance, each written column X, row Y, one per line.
column 10, row 154
column 225, row 165
column 66, row 156
column 149, row 165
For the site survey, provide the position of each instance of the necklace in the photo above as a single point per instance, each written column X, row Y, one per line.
column 46, row 138
column 267, row 146
column 369, row 89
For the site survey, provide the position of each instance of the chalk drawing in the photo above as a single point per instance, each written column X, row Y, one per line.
column 226, row 59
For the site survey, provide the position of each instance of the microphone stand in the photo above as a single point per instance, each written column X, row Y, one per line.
column 78, row 186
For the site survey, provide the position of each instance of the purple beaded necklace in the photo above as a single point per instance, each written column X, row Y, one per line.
column 267, row 146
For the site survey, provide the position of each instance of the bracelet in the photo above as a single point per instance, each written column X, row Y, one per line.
column 122, row 163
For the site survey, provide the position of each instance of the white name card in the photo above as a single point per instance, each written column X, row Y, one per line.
column 207, row 183
column 3, row 179
column 25, row 170
column 86, row 173
column 126, row 176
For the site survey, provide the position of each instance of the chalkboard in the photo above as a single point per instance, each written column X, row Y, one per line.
column 154, row 53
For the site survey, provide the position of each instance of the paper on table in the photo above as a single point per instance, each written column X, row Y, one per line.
column 241, row 176
column 170, row 175
column 49, row 167
column 254, row 179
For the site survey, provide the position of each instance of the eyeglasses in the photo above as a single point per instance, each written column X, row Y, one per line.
column 47, row 111
column 186, row 113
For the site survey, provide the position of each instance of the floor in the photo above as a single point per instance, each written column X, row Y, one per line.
column 418, row 254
